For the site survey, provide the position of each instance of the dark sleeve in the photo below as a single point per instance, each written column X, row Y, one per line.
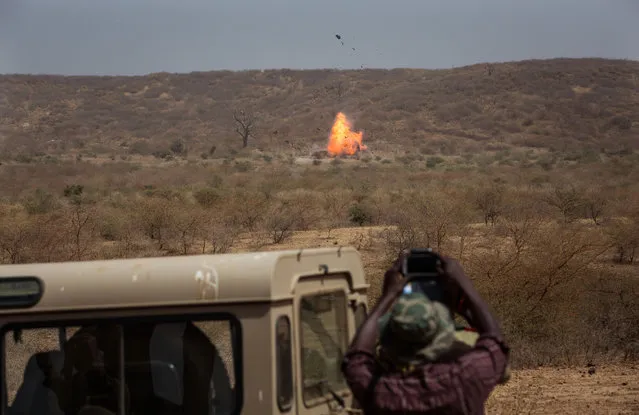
column 359, row 368
column 482, row 368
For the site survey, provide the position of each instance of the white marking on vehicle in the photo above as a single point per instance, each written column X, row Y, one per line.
column 208, row 280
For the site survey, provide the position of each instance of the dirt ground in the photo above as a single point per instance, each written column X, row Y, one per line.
column 609, row 390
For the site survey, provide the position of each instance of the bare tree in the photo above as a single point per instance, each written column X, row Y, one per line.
column 427, row 219
column 81, row 224
column 490, row 202
column 281, row 222
column 27, row 238
column 335, row 205
column 624, row 237
column 594, row 204
column 187, row 223
column 244, row 125
column 566, row 199
column 155, row 217
column 221, row 234
column 246, row 209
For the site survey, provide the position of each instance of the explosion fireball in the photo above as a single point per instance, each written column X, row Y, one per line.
column 342, row 140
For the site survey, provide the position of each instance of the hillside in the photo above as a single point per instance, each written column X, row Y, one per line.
column 580, row 107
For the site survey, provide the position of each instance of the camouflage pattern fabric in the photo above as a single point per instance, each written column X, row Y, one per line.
column 416, row 330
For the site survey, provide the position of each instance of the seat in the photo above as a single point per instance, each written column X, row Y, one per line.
column 177, row 370
column 39, row 392
column 94, row 410
column 170, row 368
column 154, row 387
column 92, row 370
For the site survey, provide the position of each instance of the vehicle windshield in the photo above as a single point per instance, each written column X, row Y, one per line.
column 172, row 366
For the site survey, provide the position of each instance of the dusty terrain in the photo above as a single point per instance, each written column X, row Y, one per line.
column 610, row 390
column 527, row 172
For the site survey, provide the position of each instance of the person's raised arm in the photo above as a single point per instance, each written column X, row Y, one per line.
column 366, row 337
column 477, row 309
column 359, row 364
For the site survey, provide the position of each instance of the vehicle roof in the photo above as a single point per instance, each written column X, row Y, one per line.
column 221, row 278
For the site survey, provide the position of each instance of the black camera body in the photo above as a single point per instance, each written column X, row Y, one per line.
column 420, row 268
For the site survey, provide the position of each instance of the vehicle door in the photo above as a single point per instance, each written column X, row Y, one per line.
column 323, row 332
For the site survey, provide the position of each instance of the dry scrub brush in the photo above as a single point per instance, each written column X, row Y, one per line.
column 554, row 259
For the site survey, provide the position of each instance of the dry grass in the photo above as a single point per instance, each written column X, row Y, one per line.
column 530, row 176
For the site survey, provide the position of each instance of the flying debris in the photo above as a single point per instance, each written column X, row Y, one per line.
column 339, row 37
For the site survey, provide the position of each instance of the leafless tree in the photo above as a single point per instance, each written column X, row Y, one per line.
column 490, row 202
column 335, row 205
column 30, row 238
column 81, row 217
column 595, row 203
column 566, row 199
column 280, row 222
column 244, row 125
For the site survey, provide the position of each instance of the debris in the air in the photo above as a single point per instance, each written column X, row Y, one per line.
column 340, row 39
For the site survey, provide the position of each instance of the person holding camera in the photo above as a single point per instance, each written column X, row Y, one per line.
column 421, row 367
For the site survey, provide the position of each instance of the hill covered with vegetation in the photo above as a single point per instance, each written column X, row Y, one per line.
column 580, row 108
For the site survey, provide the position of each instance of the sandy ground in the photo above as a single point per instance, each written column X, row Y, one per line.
column 610, row 390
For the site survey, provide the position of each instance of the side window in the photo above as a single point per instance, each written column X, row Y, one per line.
column 165, row 365
column 360, row 315
column 284, row 362
column 324, row 334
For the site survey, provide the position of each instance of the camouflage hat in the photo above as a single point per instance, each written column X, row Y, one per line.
column 416, row 330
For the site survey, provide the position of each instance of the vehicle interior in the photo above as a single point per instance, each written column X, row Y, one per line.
column 169, row 368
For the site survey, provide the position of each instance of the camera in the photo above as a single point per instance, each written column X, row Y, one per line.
column 420, row 268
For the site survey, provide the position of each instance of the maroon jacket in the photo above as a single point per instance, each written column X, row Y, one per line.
column 459, row 386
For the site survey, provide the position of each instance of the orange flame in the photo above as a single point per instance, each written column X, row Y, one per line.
column 343, row 141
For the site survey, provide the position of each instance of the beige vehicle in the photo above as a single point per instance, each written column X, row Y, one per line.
column 250, row 333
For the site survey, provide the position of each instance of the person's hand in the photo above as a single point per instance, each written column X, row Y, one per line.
column 393, row 274
column 394, row 281
column 453, row 273
column 457, row 285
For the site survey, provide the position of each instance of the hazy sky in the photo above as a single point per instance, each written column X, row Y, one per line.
column 142, row 36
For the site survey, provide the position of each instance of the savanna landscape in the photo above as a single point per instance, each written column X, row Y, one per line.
column 527, row 172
